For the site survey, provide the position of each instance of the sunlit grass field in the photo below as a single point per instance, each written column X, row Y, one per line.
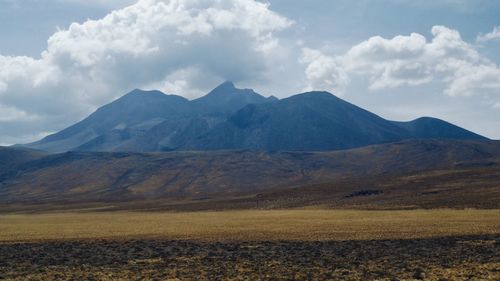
column 296, row 244
column 248, row 225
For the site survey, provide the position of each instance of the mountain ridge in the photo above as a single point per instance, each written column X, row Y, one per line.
column 232, row 118
column 81, row 176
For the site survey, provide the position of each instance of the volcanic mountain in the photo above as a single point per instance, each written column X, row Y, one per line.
column 232, row 118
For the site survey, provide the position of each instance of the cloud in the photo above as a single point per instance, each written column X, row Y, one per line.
column 190, row 81
column 410, row 61
column 102, row 3
column 11, row 114
column 186, row 47
column 493, row 35
column 472, row 80
column 3, row 87
column 323, row 72
column 180, row 45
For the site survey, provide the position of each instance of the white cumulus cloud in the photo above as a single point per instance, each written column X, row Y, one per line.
column 180, row 45
column 493, row 35
column 323, row 72
column 410, row 61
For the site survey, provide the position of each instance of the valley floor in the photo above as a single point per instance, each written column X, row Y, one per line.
column 300, row 244
column 251, row 225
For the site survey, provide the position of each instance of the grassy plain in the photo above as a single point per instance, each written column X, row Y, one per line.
column 251, row 225
column 299, row 244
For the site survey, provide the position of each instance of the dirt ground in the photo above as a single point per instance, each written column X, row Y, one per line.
column 450, row 258
column 311, row 244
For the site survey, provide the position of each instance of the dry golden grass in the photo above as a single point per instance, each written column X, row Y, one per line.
column 304, row 225
column 231, row 245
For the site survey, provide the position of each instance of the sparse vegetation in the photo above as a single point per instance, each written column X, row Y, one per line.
column 89, row 177
column 448, row 258
column 310, row 244
column 251, row 225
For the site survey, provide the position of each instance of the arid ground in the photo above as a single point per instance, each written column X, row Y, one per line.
column 300, row 244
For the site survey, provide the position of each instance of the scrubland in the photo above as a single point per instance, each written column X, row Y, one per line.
column 300, row 244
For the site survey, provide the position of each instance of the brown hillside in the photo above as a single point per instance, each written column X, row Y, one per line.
column 97, row 177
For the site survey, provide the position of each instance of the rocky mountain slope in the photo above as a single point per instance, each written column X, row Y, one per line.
column 231, row 118
column 119, row 176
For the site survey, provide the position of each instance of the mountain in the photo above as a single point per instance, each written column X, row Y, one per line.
column 427, row 128
column 232, row 118
column 226, row 99
column 11, row 157
column 119, row 176
column 132, row 114
column 317, row 121
column 149, row 121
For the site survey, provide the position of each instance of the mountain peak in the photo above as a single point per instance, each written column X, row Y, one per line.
column 232, row 118
column 137, row 97
column 228, row 90
column 314, row 96
column 139, row 92
column 224, row 88
column 317, row 94
column 226, row 98
column 227, row 84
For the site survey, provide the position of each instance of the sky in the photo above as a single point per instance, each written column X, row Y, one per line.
column 401, row 59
